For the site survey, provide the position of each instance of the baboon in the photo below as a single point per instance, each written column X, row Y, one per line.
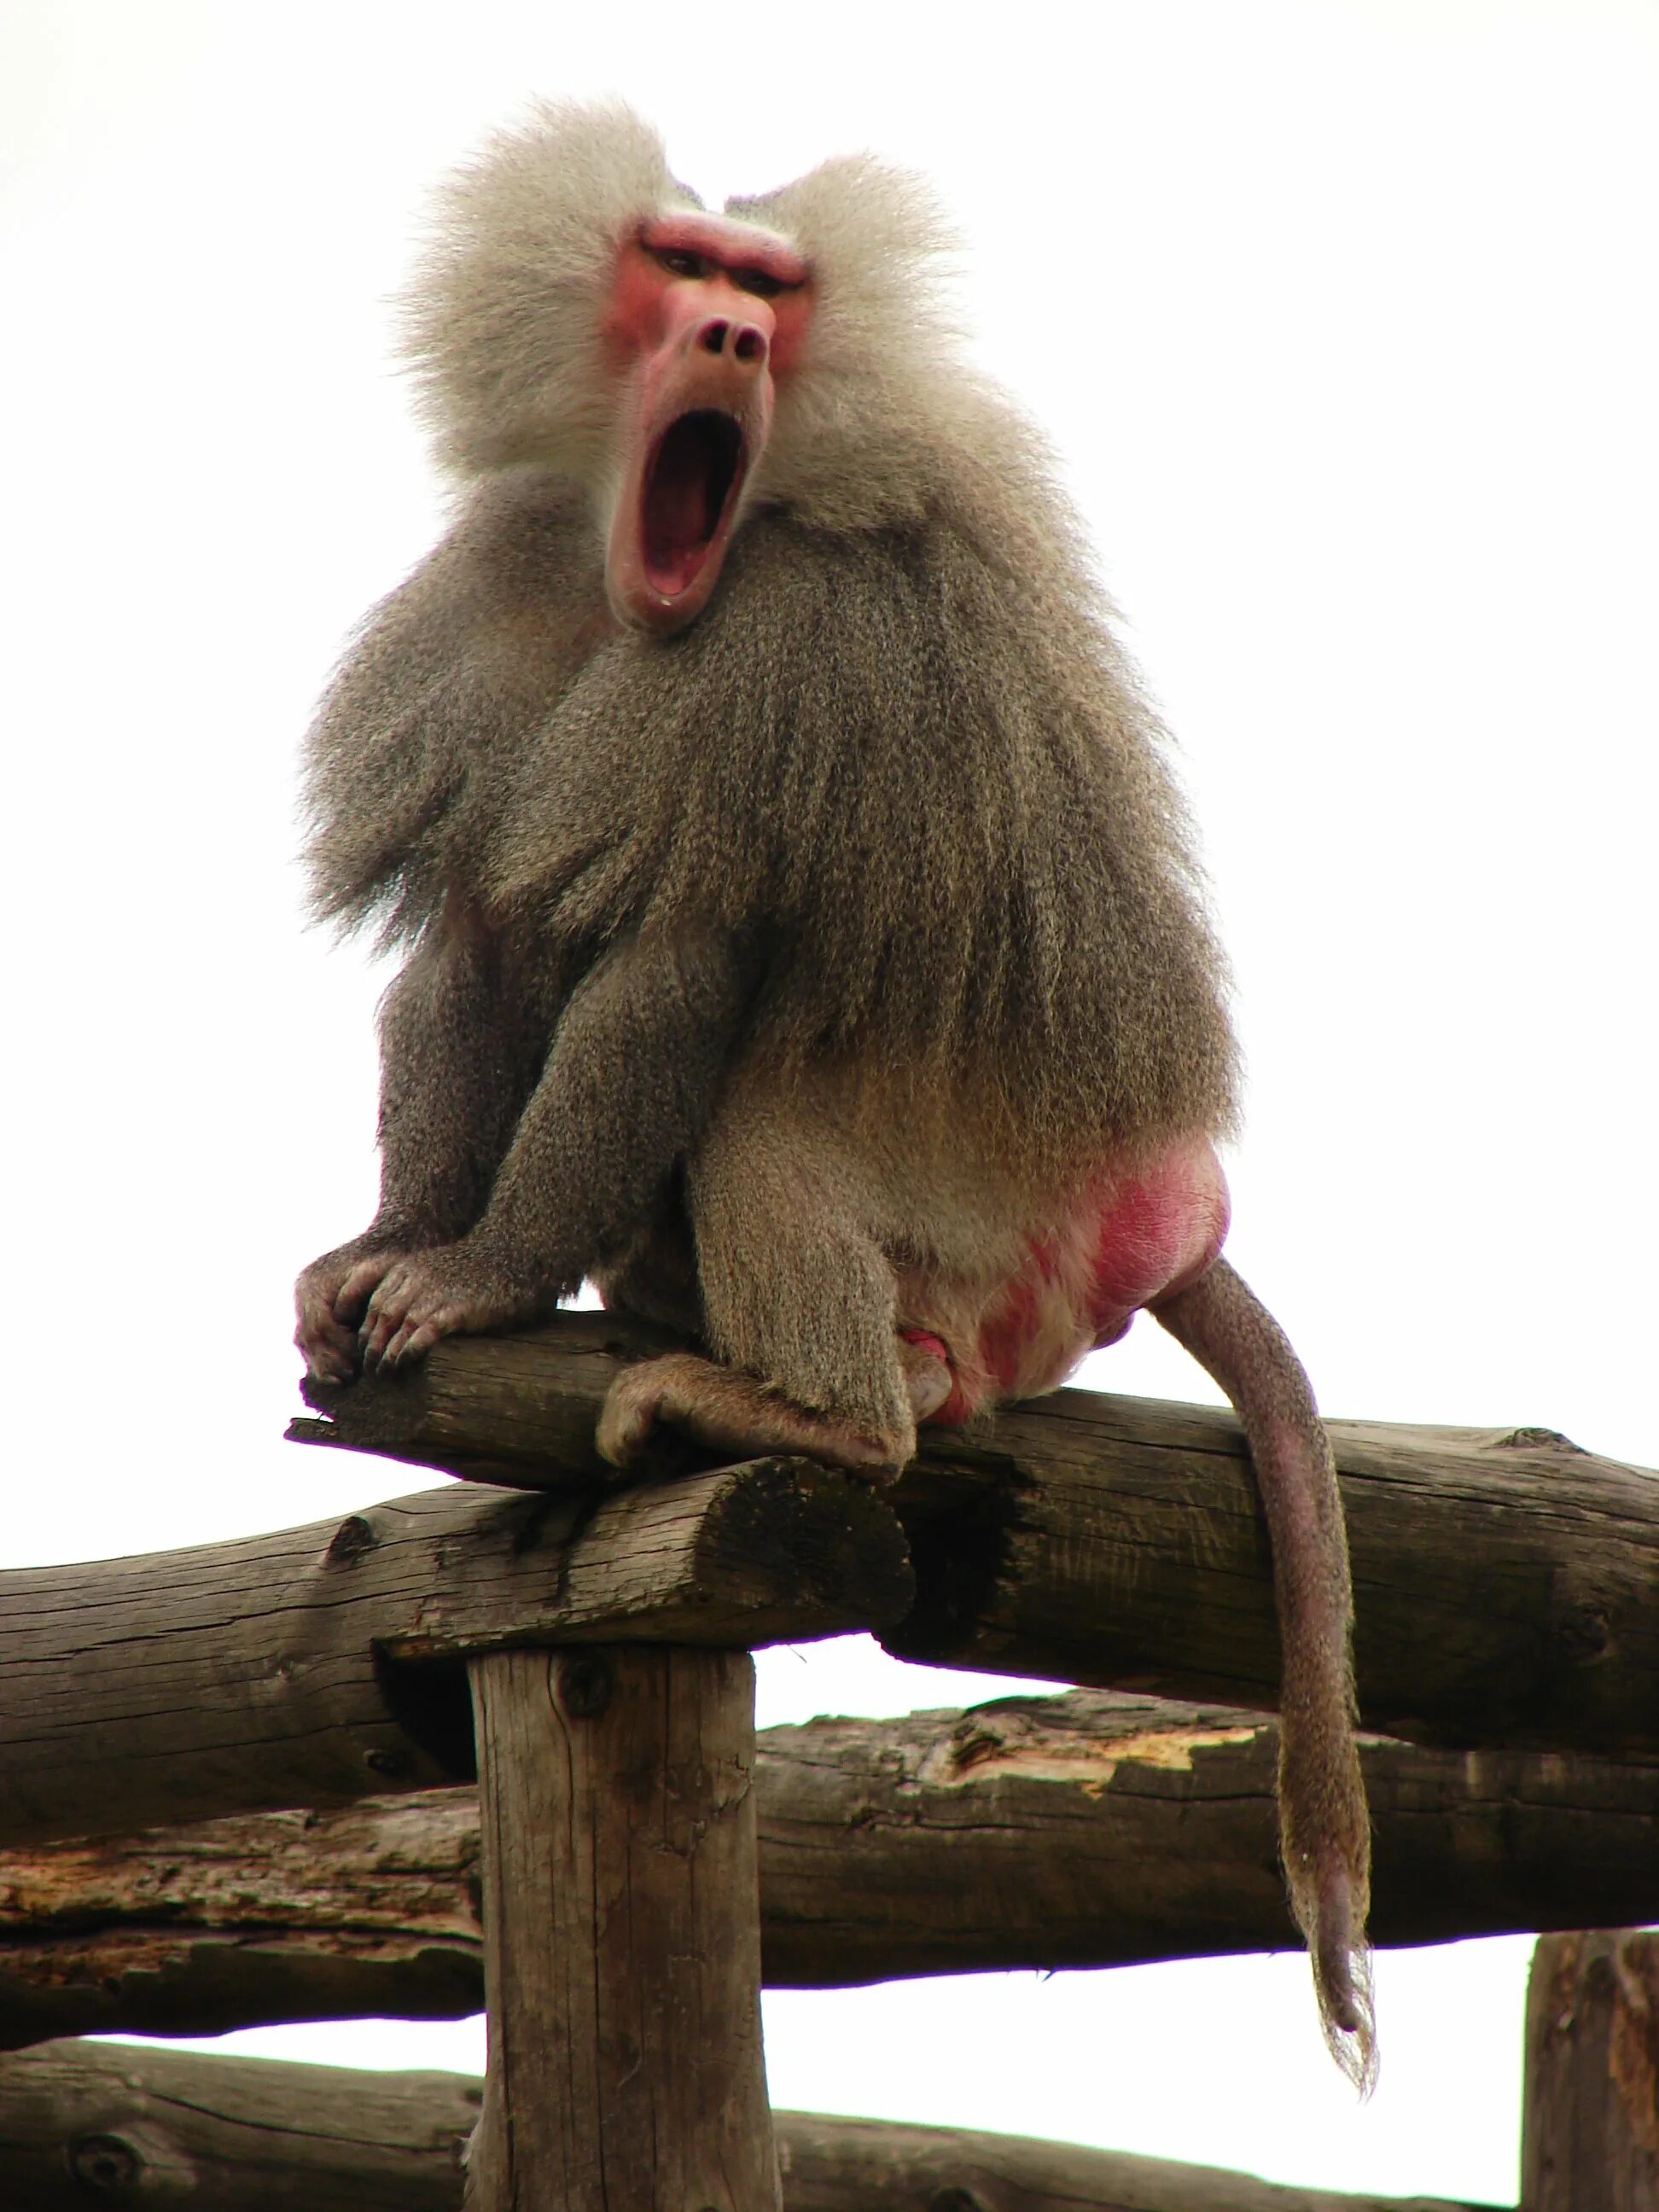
column 802, row 936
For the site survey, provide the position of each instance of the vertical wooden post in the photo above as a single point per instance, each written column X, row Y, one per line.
column 1589, row 2129
column 622, row 1934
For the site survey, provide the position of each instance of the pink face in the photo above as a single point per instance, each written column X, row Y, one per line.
column 705, row 317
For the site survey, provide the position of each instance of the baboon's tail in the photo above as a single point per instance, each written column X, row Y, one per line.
column 1324, row 1825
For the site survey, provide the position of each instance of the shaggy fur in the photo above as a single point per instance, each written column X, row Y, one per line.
column 933, row 793
column 937, row 790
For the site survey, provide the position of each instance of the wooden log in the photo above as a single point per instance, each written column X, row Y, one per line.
column 518, row 1408
column 1506, row 1580
column 264, row 1674
column 83, row 2124
column 1092, row 1830
column 1589, row 2123
column 178, row 2132
column 869, row 2166
column 622, row 1934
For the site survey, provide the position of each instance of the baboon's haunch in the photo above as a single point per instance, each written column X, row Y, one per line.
column 802, row 939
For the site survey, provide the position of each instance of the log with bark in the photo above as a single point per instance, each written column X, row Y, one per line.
column 178, row 2132
column 1507, row 1583
column 1090, row 1830
column 1506, row 1589
column 299, row 1669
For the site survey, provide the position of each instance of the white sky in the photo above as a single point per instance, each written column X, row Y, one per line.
column 1344, row 318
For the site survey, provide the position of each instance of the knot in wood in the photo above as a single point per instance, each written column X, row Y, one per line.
column 103, row 2162
column 1585, row 1634
column 584, row 1681
column 352, row 1539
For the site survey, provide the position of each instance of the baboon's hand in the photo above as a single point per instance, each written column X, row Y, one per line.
column 329, row 1298
column 419, row 1297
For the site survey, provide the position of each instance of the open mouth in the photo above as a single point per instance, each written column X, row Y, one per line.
column 688, row 490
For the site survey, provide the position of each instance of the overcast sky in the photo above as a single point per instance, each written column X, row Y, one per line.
column 1343, row 318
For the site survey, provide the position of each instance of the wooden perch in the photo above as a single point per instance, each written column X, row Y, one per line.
column 1092, row 1830
column 517, row 1408
column 181, row 2132
column 1507, row 1583
column 1506, row 1589
column 262, row 1673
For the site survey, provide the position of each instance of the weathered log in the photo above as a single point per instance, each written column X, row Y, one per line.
column 1590, row 2122
column 1092, row 1830
column 178, row 2132
column 518, row 1408
column 1506, row 1582
column 83, row 2124
column 622, row 1934
column 871, row 2166
column 261, row 1673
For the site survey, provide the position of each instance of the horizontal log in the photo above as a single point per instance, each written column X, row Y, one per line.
column 832, row 2165
column 181, row 2131
column 1505, row 1581
column 1090, row 1830
column 177, row 2132
column 264, row 1674
column 518, row 1408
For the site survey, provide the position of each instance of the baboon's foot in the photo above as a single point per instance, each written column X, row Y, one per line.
column 737, row 1413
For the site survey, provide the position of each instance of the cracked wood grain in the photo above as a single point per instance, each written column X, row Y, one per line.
column 1506, row 1584
column 1089, row 1830
column 297, row 1669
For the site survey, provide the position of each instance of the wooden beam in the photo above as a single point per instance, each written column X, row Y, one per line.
column 871, row 2166
column 88, row 2123
column 621, row 1913
column 1503, row 1588
column 1589, row 2123
column 1504, row 1578
column 1092, row 1830
column 516, row 1408
column 178, row 2132
column 264, row 1674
